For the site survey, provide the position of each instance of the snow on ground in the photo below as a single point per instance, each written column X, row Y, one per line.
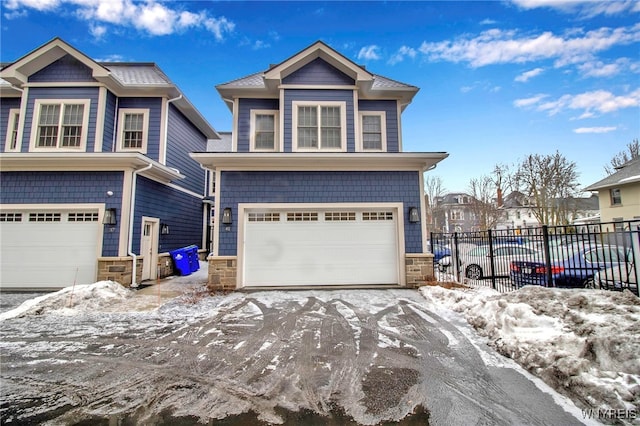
column 583, row 343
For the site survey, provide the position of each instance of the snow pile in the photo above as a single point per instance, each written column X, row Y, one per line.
column 583, row 343
column 99, row 296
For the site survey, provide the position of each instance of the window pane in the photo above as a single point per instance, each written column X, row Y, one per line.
column 49, row 115
column 265, row 131
column 330, row 132
column 72, row 125
column 308, row 127
column 133, row 131
column 307, row 137
column 73, row 115
column 371, row 123
column 371, row 132
column 48, row 136
column 307, row 116
column 331, row 138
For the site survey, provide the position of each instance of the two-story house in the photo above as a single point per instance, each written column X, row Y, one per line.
column 453, row 212
column 96, row 180
column 619, row 193
column 316, row 189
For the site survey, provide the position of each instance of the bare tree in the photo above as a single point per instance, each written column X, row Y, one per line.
column 502, row 179
column 549, row 180
column 632, row 152
column 434, row 190
column 483, row 191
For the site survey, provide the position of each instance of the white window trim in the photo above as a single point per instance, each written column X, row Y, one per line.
column 37, row 108
column 343, row 125
column 383, row 129
column 14, row 113
column 252, row 130
column 145, row 129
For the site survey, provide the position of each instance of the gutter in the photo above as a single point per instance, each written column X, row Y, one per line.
column 130, row 252
column 165, row 137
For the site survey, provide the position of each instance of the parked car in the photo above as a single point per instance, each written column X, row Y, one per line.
column 573, row 266
column 439, row 251
column 618, row 278
column 475, row 264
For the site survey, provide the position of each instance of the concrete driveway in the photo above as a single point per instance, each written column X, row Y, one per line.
column 329, row 357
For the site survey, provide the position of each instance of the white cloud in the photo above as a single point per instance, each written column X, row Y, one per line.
column 581, row 130
column 403, row 52
column 369, row 53
column 488, row 22
column 497, row 46
column 526, row 102
column 583, row 8
column 152, row 17
column 600, row 69
column 525, row 76
column 590, row 103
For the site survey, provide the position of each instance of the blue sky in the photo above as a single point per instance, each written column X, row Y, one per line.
column 498, row 80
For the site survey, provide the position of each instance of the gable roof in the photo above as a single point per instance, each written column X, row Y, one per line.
column 123, row 79
column 268, row 82
column 626, row 174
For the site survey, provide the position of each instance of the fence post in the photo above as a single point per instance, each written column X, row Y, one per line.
column 547, row 254
column 457, row 257
column 492, row 260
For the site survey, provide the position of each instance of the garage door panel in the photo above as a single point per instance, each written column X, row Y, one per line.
column 322, row 252
column 49, row 254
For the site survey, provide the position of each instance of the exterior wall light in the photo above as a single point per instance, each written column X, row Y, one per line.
column 164, row 229
column 226, row 216
column 413, row 215
column 110, row 217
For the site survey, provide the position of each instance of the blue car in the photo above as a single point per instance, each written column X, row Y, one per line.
column 572, row 266
column 439, row 251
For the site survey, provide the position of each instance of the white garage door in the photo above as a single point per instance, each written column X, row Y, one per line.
column 293, row 248
column 48, row 249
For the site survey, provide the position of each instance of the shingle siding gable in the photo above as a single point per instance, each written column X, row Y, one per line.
column 184, row 138
column 318, row 72
column 65, row 69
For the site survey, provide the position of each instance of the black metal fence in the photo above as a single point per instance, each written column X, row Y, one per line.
column 600, row 256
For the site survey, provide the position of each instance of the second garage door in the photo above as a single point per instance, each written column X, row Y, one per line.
column 320, row 247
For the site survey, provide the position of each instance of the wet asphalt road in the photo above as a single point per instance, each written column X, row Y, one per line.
column 340, row 357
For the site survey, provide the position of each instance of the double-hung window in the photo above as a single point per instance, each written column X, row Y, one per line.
column 133, row 128
column 11, row 142
column 373, row 131
column 60, row 125
column 319, row 126
column 264, row 134
column 616, row 197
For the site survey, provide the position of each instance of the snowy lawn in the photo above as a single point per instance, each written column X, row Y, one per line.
column 583, row 343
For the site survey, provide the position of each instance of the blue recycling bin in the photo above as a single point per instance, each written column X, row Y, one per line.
column 194, row 260
column 181, row 261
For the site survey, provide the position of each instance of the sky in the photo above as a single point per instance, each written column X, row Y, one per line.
column 498, row 80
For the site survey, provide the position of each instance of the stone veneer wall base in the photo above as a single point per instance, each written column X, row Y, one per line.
column 223, row 272
column 419, row 269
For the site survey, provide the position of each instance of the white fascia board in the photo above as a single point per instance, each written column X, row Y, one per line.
column 108, row 161
column 320, row 161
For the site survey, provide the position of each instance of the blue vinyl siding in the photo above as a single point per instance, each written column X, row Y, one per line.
column 391, row 111
column 5, row 105
column 184, row 138
column 318, row 72
column 291, row 95
column 244, row 118
column 35, row 93
column 154, row 105
column 182, row 212
column 67, row 188
column 319, row 187
column 110, row 118
column 65, row 69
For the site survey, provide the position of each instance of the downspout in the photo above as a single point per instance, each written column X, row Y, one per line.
column 130, row 252
column 165, row 137
column 115, row 125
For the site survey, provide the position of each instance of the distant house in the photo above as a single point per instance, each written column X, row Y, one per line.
column 517, row 212
column 316, row 189
column 96, row 179
column 619, row 193
column 453, row 212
